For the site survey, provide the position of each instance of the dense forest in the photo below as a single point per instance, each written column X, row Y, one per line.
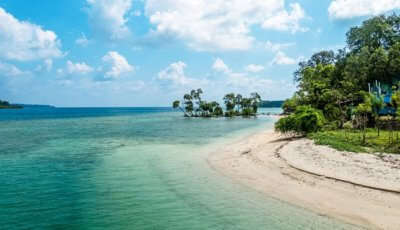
column 193, row 105
column 343, row 90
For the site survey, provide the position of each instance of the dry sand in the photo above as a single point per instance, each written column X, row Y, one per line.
column 301, row 173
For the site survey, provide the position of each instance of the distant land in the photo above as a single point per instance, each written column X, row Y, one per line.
column 8, row 105
column 35, row 106
column 271, row 104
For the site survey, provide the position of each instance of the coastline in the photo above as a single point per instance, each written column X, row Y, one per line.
column 261, row 161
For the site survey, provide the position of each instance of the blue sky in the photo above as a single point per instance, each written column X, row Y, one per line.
column 150, row 52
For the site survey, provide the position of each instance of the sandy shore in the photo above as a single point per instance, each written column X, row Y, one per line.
column 301, row 173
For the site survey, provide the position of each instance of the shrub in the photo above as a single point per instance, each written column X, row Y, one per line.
column 289, row 106
column 303, row 121
column 348, row 125
column 330, row 126
column 286, row 125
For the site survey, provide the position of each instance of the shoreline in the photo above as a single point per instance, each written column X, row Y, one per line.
column 260, row 161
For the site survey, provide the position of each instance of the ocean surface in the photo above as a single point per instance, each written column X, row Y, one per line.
column 130, row 168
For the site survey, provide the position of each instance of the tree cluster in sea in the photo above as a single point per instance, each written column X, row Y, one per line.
column 193, row 105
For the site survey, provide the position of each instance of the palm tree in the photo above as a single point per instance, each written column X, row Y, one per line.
column 196, row 94
column 238, row 102
column 177, row 105
column 255, row 102
column 216, row 109
column 188, row 104
column 229, row 101
column 246, row 107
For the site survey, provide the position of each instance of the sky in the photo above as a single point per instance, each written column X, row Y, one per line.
column 98, row 53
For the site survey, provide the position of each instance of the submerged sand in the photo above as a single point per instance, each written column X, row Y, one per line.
column 361, row 189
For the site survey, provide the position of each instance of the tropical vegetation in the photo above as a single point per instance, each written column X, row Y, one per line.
column 193, row 105
column 334, row 88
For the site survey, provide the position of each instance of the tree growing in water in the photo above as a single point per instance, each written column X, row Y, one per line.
column 192, row 105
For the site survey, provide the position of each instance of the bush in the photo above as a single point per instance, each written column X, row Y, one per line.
column 286, row 125
column 303, row 121
column 289, row 106
column 330, row 126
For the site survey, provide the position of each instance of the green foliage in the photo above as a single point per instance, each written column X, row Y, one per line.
column 362, row 111
column 305, row 120
column 290, row 105
column 332, row 82
column 244, row 106
column 348, row 125
column 332, row 125
column 365, row 108
column 345, row 140
column 336, row 84
column 338, row 140
column 286, row 125
column 396, row 99
column 376, row 104
column 194, row 106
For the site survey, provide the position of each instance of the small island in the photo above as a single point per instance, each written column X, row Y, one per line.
column 235, row 105
column 7, row 105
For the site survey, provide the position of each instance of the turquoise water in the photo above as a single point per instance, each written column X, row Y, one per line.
column 129, row 168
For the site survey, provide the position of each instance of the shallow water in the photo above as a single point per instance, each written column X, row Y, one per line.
column 129, row 168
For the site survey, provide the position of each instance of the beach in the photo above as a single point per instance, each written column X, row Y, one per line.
column 360, row 189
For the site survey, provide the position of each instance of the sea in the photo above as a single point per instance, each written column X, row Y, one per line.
column 131, row 168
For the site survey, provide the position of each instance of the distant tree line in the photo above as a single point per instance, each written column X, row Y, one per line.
column 7, row 105
column 193, row 105
column 271, row 104
column 4, row 103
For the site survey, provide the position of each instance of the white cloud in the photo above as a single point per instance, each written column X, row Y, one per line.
column 175, row 73
column 287, row 21
column 78, row 68
column 118, row 65
column 221, row 24
column 245, row 84
column 174, row 77
column 345, row 9
column 282, row 59
column 10, row 70
column 82, row 41
column 110, row 17
column 275, row 47
column 254, row 68
column 48, row 64
column 220, row 66
column 24, row 41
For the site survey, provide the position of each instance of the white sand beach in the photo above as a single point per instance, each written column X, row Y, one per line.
column 354, row 188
